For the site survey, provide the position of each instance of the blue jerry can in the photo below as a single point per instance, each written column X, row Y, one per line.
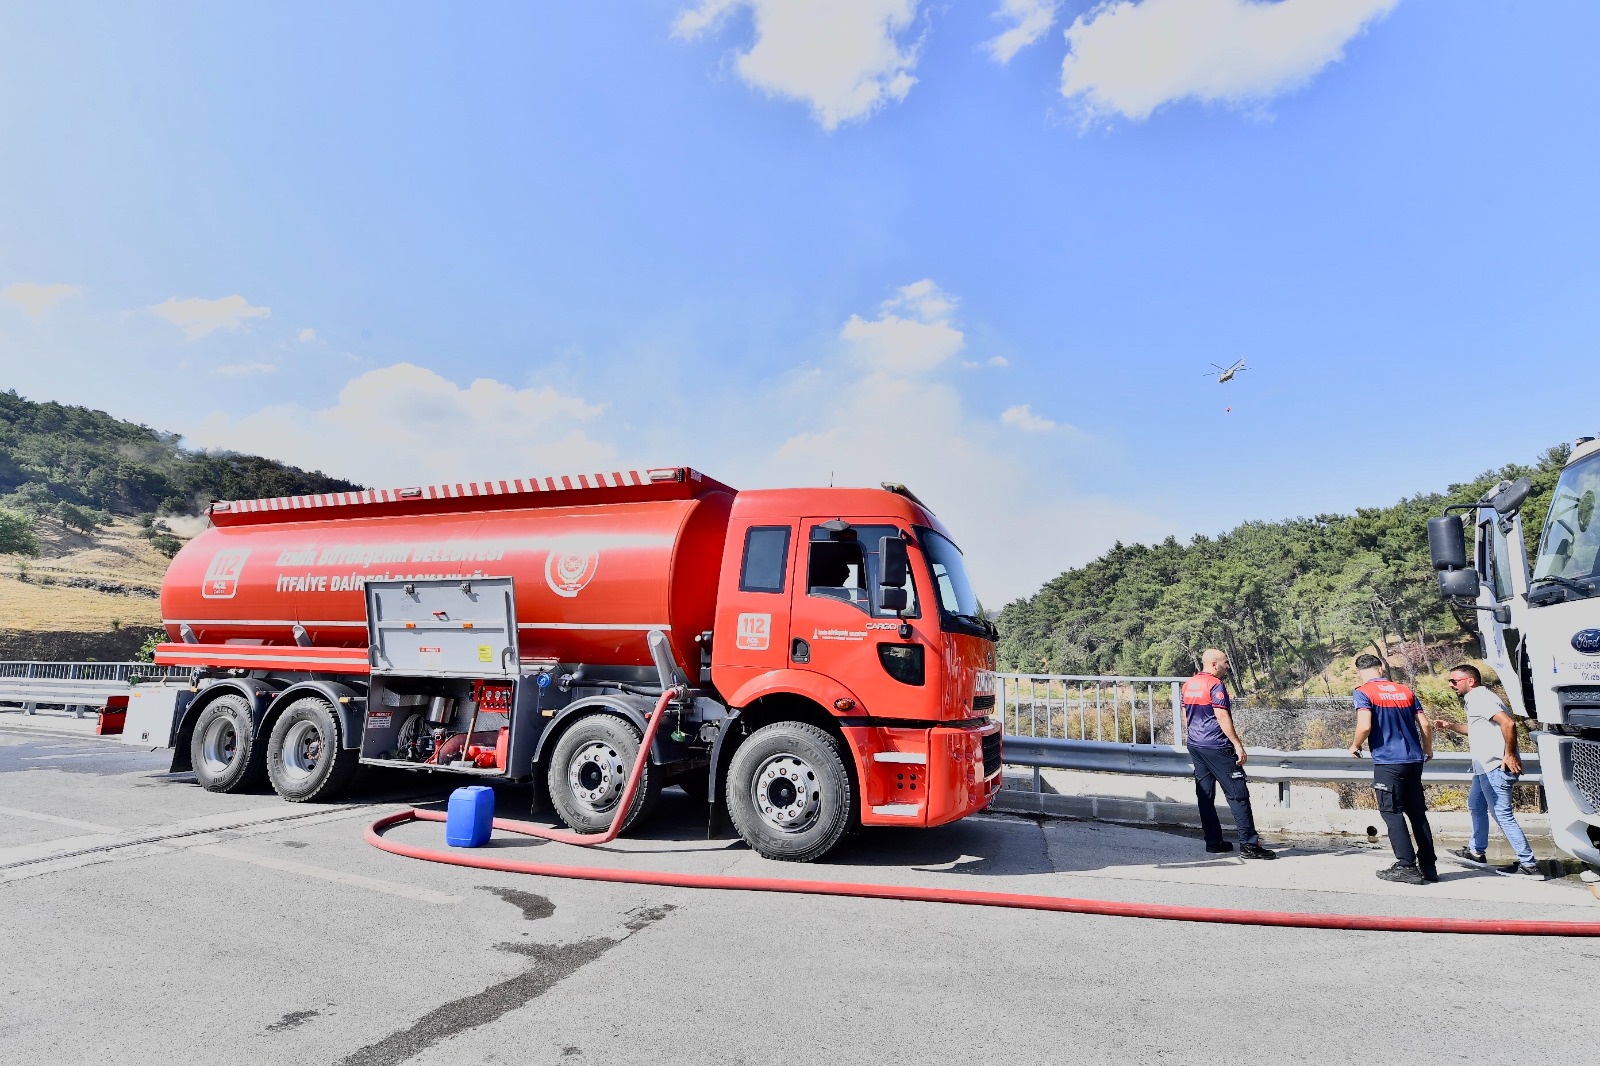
column 468, row 820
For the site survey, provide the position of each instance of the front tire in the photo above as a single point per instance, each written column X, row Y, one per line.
column 589, row 770
column 789, row 792
column 224, row 750
column 306, row 758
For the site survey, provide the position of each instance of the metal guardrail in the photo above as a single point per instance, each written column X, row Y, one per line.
column 74, row 685
column 1100, row 708
column 1040, row 714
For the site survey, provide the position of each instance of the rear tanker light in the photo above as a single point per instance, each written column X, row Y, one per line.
column 410, row 492
column 674, row 473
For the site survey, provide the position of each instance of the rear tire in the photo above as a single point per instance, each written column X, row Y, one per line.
column 589, row 769
column 224, row 750
column 789, row 792
column 306, row 759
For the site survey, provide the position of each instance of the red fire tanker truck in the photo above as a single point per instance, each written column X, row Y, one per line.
column 837, row 670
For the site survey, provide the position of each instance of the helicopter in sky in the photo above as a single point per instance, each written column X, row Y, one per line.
column 1227, row 372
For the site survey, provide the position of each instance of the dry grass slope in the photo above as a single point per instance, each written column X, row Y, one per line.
column 73, row 583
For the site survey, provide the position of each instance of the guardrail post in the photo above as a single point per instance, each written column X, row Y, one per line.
column 73, row 674
column 27, row 707
column 1177, row 715
column 1283, row 794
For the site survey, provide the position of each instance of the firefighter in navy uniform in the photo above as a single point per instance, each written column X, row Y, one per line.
column 1218, row 755
column 1401, row 741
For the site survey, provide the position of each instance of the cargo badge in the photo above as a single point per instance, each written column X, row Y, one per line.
column 222, row 576
column 567, row 572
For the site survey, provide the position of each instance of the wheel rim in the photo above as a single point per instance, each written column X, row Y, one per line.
column 786, row 795
column 596, row 775
column 302, row 747
column 219, row 744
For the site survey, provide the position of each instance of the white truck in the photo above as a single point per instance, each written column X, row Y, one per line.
column 1540, row 628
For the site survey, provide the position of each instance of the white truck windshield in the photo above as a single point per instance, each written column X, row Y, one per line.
column 1571, row 541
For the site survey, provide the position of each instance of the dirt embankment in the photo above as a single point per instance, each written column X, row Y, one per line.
column 84, row 596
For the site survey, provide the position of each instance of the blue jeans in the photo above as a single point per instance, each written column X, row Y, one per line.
column 1492, row 792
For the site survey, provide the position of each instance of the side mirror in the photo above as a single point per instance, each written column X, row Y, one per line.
column 1462, row 584
column 1508, row 499
column 893, row 566
column 1447, row 543
column 893, row 562
column 1502, row 615
column 891, row 599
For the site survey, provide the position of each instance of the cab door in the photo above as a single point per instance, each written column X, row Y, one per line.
column 1501, row 644
column 836, row 630
column 752, row 626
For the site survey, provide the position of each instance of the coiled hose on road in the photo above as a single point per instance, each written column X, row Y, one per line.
column 963, row 897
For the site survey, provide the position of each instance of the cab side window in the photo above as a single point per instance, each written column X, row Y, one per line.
column 1491, row 564
column 837, row 570
column 847, row 569
column 766, row 559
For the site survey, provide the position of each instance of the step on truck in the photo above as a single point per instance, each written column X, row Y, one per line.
column 1540, row 627
column 838, row 670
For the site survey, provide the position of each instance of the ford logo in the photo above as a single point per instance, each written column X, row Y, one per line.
column 1587, row 641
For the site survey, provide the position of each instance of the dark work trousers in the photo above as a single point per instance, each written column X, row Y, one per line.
column 1213, row 765
column 1399, row 789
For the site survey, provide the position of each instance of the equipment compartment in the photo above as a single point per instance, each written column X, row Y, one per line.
column 456, row 724
column 443, row 627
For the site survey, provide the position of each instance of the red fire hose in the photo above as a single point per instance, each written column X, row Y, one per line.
column 965, row 897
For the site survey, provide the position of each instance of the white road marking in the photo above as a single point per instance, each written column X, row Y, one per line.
column 79, row 755
column 70, row 823
column 422, row 895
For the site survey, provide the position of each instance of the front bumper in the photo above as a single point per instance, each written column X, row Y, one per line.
column 1570, row 767
column 925, row 777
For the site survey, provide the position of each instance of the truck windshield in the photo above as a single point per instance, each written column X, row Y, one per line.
column 1571, row 542
column 958, row 606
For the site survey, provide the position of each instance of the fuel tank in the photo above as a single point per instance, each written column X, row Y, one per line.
column 597, row 561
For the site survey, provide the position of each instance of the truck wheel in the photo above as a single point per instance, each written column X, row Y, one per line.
column 589, row 769
column 224, row 750
column 305, row 758
column 789, row 792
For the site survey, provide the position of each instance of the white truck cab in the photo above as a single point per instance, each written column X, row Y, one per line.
column 1540, row 627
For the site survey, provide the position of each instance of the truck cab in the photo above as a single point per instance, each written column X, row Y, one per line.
column 853, row 607
column 1539, row 627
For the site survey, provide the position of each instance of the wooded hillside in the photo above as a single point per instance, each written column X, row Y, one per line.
column 52, row 454
column 1284, row 599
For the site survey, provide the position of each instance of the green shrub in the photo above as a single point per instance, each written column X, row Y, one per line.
column 166, row 544
column 16, row 534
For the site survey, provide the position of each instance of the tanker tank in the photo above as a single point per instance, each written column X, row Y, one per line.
column 597, row 561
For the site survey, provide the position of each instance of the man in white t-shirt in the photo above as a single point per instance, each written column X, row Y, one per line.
column 1492, row 738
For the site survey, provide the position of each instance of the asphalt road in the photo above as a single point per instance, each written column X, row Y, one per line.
column 143, row 919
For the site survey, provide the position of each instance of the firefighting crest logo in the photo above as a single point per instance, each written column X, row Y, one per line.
column 568, row 570
column 222, row 576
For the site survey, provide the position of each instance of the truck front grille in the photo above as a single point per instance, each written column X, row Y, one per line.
column 983, row 703
column 991, row 753
column 1585, row 755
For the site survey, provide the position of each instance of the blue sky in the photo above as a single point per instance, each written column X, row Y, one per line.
column 787, row 243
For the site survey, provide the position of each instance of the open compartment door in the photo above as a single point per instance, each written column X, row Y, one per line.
column 443, row 627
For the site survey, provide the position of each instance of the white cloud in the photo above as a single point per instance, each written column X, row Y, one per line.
column 406, row 425
column 895, row 344
column 1029, row 18
column 199, row 318
column 846, row 58
column 35, row 299
column 883, row 411
column 306, row 336
column 244, row 370
column 1129, row 57
column 1022, row 417
column 999, row 360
